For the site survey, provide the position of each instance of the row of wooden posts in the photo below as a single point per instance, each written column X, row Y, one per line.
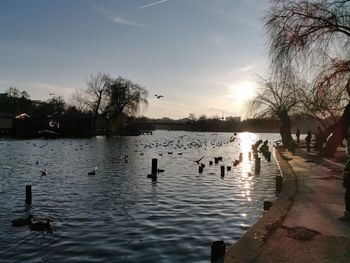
column 218, row 248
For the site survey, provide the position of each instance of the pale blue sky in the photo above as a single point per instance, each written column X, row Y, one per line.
column 202, row 55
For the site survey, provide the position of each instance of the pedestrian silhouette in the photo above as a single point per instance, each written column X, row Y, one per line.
column 308, row 140
column 346, row 183
column 297, row 134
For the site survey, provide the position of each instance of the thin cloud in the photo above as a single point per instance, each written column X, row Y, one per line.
column 247, row 68
column 123, row 21
column 116, row 18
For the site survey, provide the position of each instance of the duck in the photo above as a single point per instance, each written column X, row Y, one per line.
column 93, row 172
column 41, row 226
column 22, row 221
column 125, row 158
column 43, row 172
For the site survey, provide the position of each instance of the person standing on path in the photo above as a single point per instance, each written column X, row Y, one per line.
column 297, row 134
column 308, row 140
column 346, row 183
column 319, row 139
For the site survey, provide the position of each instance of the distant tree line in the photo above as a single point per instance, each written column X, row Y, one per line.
column 112, row 101
column 216, row 124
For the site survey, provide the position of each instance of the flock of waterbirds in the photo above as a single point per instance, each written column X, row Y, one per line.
column 178, row 146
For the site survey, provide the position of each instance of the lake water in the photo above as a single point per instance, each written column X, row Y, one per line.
column 120, row 215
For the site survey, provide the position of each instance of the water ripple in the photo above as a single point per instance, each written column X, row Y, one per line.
column 120, row 215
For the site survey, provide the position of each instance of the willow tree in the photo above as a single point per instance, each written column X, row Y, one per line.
column 326, row 107
column 313, row 36
column 124, row 98
column 275, row 99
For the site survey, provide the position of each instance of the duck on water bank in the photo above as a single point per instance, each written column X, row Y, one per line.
column 19, row 222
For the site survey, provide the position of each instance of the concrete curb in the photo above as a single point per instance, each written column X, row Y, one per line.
column 252, row 242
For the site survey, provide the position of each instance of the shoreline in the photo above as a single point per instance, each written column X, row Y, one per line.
column 311, row 201
column 251, row 243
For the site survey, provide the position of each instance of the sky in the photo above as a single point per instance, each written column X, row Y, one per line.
column 201, row 55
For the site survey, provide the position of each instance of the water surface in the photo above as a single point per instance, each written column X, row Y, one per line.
column 120, row 215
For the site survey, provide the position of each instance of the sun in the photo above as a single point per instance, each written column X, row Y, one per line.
column 242, row 92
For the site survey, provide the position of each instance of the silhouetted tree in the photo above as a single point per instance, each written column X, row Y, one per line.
column 57, row 104
column 13, row 92
column 96, row 90
column 80, row 101
column 24, row 95
column 124, row 97
column 313, row 36
column 326, row 107
column 275, row 100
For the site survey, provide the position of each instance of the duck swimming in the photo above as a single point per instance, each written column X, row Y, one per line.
column 22, row 221
column 93, row 172
column 41, row 226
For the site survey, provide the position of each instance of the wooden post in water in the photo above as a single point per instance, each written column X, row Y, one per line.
column 154, row 166
column 240, row 157
column 200, row 169
column 279, row 184
column 267, row 205
column 218, row 249
column 222, row 170
column 28, row 194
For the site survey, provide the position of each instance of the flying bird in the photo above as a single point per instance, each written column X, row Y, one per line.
column 199, row 160
column 159, row 96
column 232, row 139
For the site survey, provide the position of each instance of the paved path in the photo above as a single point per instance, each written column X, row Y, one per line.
column 312, row 198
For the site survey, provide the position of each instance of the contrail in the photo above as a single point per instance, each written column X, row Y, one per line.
column 118, row 17
column 151, row 4
column 142, row 7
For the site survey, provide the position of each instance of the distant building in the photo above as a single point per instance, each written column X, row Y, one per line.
column 6, row 122
column 3, row 97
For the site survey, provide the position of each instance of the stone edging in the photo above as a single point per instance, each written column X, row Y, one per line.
column 252, row 242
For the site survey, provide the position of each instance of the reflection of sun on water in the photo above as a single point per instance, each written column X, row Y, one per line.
column 246, row 140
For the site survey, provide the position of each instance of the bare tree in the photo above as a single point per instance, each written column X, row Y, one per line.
column 275, row 100
column 58, row 105
column 25, row 95
column 80, row 101
column 325, row 106
column 13, row 92
column 96, row 90
column 314, row 36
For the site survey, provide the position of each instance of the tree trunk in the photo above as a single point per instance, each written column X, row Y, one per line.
column 338, row 134
column 97, row 107
column 285, row 130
